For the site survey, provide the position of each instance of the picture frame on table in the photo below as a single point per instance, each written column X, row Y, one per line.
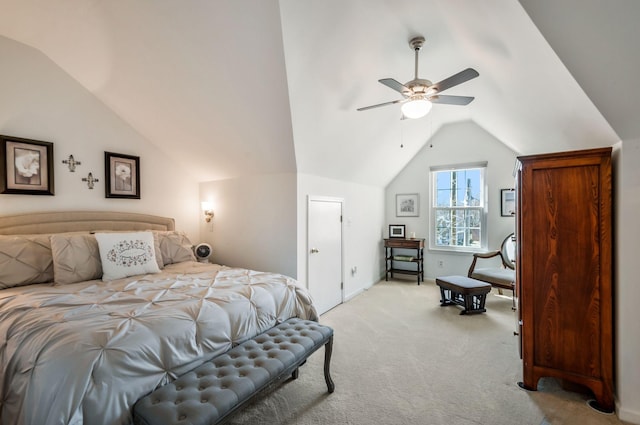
column 507, row 202
column 26, row 166
column 122, row 175
column 397, row 231
column 407, row 205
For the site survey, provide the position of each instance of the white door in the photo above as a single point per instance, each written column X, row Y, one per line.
column 324, row 252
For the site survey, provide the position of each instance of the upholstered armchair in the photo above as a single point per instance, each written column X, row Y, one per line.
column 501, row 276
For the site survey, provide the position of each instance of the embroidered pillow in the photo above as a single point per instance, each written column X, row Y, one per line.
column 156, row 244
column 126, row 254
column 76, row 258
column 175, row 247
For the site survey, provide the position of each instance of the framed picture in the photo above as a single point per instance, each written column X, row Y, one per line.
column 122, row 174
column 507, row 202
column 407, row 205
column 26, row 166
column 396, row 231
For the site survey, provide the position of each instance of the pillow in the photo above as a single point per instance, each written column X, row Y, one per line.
column 175, row 247
column 156, row 244
column 126, row 254
column 76, row 258
column 25, row 259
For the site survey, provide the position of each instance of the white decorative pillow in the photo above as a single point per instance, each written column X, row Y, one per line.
column 156, row 243
column 126, row 254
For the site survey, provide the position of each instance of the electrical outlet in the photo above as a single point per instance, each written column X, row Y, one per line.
column 440, row 263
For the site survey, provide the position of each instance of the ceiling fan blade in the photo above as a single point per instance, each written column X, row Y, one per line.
column 380, row 104
column 454, row 80
column 395, row 85
column 451, row 100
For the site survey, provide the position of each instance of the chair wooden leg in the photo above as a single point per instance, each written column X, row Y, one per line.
column 328, row 349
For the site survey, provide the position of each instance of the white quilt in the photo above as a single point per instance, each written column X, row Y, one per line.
column 86, row 352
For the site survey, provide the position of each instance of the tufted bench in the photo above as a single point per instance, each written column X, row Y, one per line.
column 464, row 291
column 210, row 393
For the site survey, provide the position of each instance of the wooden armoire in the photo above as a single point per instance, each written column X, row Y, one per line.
column 563, row 270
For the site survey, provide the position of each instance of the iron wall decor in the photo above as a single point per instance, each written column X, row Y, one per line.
column 26, row 166
column 122, row 175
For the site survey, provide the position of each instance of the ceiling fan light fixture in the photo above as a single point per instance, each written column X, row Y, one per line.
column 416, row 108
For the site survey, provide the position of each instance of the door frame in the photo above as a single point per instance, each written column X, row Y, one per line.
column 310, row 199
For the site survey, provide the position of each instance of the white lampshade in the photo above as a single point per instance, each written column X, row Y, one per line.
column 416, row 108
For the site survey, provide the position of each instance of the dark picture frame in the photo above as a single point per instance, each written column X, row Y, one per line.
column 397, row 231
column 407, row 205
column 122, row 175
column 26, row 166
column 507, row 202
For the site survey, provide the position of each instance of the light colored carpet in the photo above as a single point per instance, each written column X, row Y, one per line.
column 400, row 358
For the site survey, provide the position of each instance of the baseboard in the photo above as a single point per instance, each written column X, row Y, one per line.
column 360, row 291
column 627, row 415
column 355, row 294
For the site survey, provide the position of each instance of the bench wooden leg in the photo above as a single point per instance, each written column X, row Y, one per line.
column 295, row 373
column 328, row 349
column 446, row 297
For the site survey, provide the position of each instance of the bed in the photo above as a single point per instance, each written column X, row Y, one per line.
column 76, row 349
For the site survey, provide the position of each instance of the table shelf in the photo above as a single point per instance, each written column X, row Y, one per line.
column 416, row 260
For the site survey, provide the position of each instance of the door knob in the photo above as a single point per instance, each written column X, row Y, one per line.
column 314, row 250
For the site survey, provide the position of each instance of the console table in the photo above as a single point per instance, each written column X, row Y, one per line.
column 393, row 259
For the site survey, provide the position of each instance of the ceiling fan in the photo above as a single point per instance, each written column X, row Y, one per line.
column 419, row 94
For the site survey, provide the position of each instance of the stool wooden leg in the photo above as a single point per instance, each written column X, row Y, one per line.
column 468, row 304
column 328, row 349
column 482, row 299
column 443, row 299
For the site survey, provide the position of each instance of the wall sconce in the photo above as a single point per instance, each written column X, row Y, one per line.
column 207, row 209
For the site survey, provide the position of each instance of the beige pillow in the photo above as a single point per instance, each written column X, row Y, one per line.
column 25, row 259
column 175, row 247
column 126, row 254
column 76, row 258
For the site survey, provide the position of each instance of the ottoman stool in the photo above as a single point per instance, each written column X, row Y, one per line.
column 469, row 293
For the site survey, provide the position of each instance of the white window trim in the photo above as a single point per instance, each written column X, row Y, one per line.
column 432, row 208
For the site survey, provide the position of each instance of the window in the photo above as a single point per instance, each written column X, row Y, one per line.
column 458, row 208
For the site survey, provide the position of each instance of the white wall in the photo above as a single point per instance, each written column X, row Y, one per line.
column 363, row 219
column 626, row 288
column 254, row 226
column 457, row 143
column 40, row 101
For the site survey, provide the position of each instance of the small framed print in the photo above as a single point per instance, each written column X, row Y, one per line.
column 122, row 174
column 26, row 166
column 407, row 205
column 507, row 202
column 396, row 231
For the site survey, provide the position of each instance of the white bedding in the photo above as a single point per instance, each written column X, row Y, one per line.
column 86, row 352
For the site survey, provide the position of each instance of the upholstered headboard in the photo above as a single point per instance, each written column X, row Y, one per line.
column 73, row 221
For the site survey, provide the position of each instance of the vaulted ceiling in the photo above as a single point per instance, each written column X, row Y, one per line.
column 236, row 87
